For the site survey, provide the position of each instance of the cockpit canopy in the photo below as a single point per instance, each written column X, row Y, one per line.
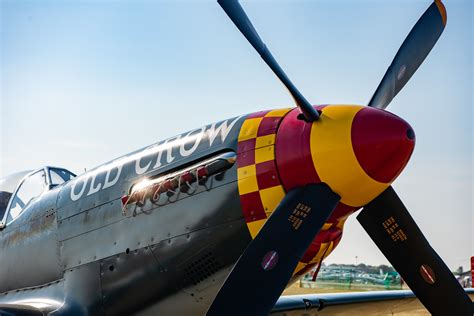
column 19, row 189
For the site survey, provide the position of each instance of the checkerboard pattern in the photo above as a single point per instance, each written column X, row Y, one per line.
column 259, row 185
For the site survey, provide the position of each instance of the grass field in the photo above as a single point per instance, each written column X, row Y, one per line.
column 328, row 287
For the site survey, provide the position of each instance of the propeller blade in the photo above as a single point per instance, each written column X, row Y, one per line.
column 266, row 266
column 411, row 54
column 391, row 227
column 235, row 12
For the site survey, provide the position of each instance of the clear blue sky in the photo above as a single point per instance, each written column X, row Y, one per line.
column 83, row 82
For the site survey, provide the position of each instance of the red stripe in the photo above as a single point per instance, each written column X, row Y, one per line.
column 293, row 153
column 252, row 207
column 257, row 114
column 323, row 236
column 246, row 159
column 336, row 241
column 341, row 210
column 311, row 252
column 305, row 269
column 268, row 126
column 472, row 271
column 267, row 176
column 246, row 145
column 381, row 143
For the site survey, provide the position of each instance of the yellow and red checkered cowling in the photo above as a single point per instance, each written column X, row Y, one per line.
column 260, row 187
column 357, row 151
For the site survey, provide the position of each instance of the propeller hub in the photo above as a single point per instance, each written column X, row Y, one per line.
column 358, row 151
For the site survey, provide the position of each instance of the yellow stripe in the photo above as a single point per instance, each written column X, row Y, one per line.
column 266, row 140
column 277, row 113
column 442, row 11
column 335, row 160
column 300, row 266
column 340, row 223
column 271, row 197
column 326, row 226
column 254, row 227
column 249, row 129
column 247, row 179
column 330, row 247
column 264, row 154
column 322, row 251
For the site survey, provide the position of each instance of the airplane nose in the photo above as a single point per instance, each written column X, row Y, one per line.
column 382, row 143
column 358, row 151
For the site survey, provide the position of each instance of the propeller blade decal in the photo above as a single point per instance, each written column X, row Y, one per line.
column 391, row 227
column 237, row 15
column 411, row 54
column 265, row 267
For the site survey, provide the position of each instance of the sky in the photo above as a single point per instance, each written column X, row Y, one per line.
column 83, row 82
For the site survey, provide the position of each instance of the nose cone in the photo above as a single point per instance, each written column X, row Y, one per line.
column 358, row 151
column 382, row 143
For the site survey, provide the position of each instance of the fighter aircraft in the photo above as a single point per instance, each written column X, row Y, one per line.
column 220, row 219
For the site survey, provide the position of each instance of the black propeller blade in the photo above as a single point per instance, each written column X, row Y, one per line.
column 269, row 261
column 391, row 227
column 411, row 54
column 237, row 15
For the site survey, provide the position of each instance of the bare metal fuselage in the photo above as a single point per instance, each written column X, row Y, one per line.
column 75, row 249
